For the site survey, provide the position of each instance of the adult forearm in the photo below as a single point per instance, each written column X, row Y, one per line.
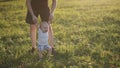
column 53, row 6
column 28, row 3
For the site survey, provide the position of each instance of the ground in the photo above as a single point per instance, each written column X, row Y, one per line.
column 86, row 35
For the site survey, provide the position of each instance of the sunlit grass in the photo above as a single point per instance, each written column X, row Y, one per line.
column 86, row 35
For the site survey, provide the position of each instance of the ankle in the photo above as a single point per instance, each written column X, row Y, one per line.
column 34, row 47
column 41, row 57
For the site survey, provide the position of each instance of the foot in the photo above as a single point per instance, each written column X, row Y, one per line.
column 53, row 51
column 32, row 50
column 40, row 59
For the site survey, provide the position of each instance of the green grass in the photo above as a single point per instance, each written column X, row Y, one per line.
column 86, row 35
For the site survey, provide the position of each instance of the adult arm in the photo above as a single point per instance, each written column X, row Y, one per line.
column 52, row 9
column 29, row 7
column 53, row 6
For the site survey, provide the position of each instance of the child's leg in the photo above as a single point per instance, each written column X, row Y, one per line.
column 40, row 54
column 49, row 50
column 40, row 49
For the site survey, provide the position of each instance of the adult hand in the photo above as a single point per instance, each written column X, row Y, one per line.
column 51, row 16
column 35, row 19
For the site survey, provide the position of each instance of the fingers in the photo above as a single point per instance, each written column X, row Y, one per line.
column 34, row 19
column 51, row 16
column 50, row 21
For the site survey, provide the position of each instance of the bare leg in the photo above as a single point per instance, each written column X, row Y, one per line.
column 33, row 35
column 49, row 51
column 51, row 41
column 51, row 36
column 40, row 54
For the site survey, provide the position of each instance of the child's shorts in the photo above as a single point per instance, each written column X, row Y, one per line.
column 44, row 47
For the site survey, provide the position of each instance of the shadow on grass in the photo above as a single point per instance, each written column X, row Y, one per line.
column 28, row 60
column 21, row 61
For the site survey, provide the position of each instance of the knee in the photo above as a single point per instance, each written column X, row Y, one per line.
column 32, row 27
column 50, row 49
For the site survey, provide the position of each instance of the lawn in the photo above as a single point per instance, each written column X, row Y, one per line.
column 86, row 35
